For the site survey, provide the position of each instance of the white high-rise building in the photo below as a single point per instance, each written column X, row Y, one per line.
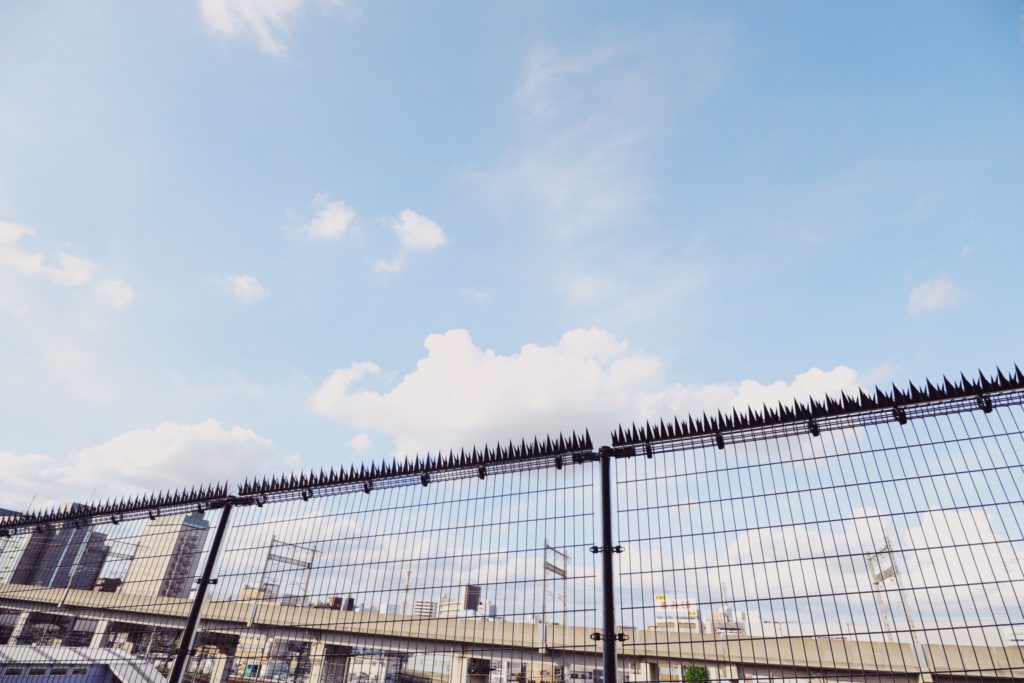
column 167, row 557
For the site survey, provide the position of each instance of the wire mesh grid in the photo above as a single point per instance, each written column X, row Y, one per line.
column 486, row 577
column 876, row 552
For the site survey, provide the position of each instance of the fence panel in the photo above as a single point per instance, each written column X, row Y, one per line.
column 875, row 545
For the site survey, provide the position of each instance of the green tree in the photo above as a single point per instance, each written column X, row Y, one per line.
column 696, row 674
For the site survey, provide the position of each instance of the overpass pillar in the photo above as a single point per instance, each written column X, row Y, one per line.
column 460, row 669
column 326, row 663
column 219, row 668
column 99, row 636
column 19, row 627
column 728, row 672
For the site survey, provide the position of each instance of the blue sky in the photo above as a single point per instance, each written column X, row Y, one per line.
column 229, row 228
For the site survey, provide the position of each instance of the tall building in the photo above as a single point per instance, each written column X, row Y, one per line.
column 62, row 557
column 168, row 556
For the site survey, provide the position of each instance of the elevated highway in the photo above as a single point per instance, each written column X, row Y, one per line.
column 643, row 651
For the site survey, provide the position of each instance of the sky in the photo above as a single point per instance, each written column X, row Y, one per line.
column 248, row 236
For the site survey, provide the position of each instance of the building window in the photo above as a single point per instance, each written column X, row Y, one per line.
column 37, row 671
column 13, row 671
column 59, row 671
column 79, row 671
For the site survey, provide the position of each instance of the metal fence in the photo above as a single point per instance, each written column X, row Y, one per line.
column 867, row 538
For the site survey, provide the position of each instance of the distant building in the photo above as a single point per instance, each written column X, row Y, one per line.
column 108, row 584
column 676, row 615
column 168, row 556
column 424, row 609
column 11, row 549
column 31, row 664
column 63, row 557
column 467, row 600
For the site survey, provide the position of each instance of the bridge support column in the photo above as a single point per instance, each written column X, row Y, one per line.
column 727, row 672
column 219, row 668
column 326, row 663
column 19, row 627
column 99, row 636
column 460, row 669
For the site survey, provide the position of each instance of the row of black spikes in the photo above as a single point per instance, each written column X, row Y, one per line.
column 463, row 459
column 122, row 506
column 830, row 407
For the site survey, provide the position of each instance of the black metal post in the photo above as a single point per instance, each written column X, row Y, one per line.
column 188, row 636
column 607, row 571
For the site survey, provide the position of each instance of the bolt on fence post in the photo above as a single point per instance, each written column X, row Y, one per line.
column 188, row 635
column 607, row 570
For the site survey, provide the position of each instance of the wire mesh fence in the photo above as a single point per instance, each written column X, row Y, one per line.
column 872, row 538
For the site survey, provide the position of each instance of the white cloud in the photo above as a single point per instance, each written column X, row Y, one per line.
column 269, row 21
column 63, row 269
column 332, row 220
column 360, row 442
column 460, row 394
column 167, row 456
column 246, row 288
column 415, row 233
column 475, row 295
column 119, row 294
column 933, row 295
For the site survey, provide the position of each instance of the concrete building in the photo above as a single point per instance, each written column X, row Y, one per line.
column 167, row 557
column 11, row 549
column 31, row 664
column 61, row 557
column 424, row 609
column 465, row 603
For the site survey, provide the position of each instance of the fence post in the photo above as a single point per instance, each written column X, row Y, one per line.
column 188, row 635
column 607, row 570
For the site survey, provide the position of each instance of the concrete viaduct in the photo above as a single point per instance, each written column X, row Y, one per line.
column 333, row 633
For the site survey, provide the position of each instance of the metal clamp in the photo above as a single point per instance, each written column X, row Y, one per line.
column 812, row 426
column 615, row 549
column 985, row 403
column 900, row 415
column 621, row 637
column 596, row 636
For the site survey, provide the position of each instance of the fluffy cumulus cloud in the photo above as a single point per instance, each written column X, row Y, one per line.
column 933, row 295
column 415, row 233
column 461, row 394
column 167, row 456
column 246, row 288
column 268, row 21
column 332, row 220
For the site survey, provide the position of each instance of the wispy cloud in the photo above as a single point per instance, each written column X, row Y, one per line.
column 268, row 21
column 933, row 295
column 119, row 294
column 416, row 233
column 475, row 295
column 63, row 269
column 246, row 288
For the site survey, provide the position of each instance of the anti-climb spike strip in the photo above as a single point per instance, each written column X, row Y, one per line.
column 896, row 400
